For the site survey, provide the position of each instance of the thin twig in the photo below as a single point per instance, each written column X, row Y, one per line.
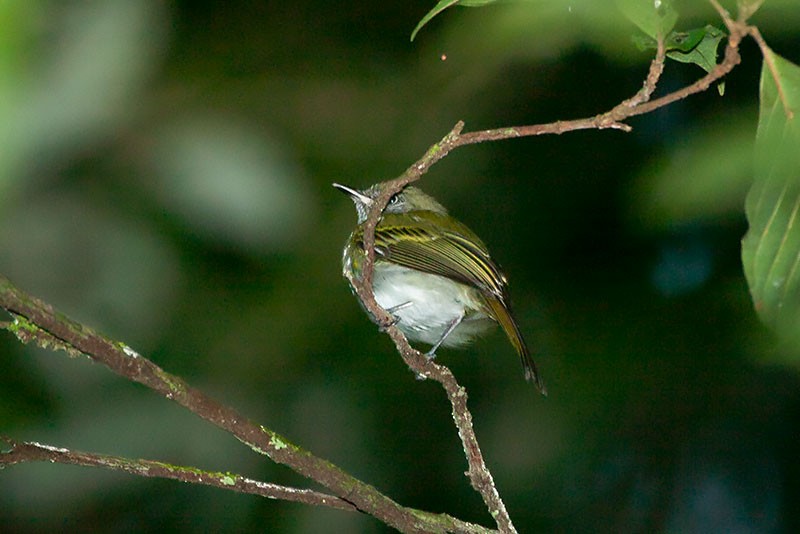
column 26, row 451
column 739, row 29
column 766, row 51
column 651, row 81
column 722, row 12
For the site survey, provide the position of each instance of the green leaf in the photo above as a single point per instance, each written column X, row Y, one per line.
column 771, row 247
column 444, row 4
column 698, row 46
column 684, row 41
column 653, row 17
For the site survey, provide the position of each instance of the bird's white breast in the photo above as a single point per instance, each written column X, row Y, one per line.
column 426, row 304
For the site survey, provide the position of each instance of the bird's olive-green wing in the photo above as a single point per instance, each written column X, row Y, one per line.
column 437, row 244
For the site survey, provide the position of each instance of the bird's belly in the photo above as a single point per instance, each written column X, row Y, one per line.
column 425, row 305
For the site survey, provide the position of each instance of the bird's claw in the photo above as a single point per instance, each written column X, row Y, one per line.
column 384, row 326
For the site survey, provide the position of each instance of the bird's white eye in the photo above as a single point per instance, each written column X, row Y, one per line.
column 394, row 199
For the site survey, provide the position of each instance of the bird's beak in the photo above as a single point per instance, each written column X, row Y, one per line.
column 355, row 194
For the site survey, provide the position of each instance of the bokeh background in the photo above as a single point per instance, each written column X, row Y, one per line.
column 165, row 171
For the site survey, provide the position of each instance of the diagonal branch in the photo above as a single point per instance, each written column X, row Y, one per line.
column 37, row 321
column 26, row 451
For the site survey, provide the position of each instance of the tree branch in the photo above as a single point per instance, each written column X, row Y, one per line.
column 479, row 475
column 640, row 103
column 37, row 321
column 23, row 452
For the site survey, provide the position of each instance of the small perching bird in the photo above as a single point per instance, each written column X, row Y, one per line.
column 433, row 274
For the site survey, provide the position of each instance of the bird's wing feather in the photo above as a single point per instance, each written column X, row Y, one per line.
column 454, row 252
column 448, row 248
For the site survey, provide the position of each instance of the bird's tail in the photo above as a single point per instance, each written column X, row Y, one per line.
column 502, row 315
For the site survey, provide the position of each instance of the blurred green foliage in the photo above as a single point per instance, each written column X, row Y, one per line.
column 165, row 177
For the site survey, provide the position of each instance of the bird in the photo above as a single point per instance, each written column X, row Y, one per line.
column 433, row 274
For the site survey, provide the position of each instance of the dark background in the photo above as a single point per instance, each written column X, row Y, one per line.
column 165, row 177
